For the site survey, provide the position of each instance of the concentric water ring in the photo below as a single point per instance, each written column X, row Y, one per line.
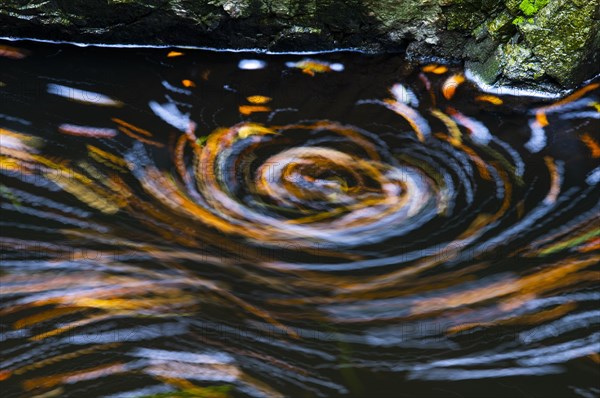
column 310, row 192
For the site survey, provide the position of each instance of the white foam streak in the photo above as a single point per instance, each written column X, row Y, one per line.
column 593, row 178
column 251, row 64
column 179, row 90
column 562, row 356
column 178, row 356
column 405, row 95
column 86, row 97
column 561, row 326
column 537, row 141
column 171, row 115
column 465, row 374
column 507, row 90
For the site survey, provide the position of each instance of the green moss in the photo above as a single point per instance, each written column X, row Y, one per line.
column 518, row 20
column 531, row 7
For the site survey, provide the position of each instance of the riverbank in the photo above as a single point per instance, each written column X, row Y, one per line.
column 550, row 45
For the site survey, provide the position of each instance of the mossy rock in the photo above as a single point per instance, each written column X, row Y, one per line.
column 463, row 14
column 531, row 7
column 393, row 12
column 513, row 6
column 520, row 64
column 546, row 41
column 561, row 36
column 501, row 28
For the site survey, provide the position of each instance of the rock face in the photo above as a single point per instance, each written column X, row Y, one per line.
column 524, row 42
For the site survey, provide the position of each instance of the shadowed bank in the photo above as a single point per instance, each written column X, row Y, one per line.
column 550, row 44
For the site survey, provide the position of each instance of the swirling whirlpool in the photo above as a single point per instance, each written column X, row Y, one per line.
column 184, row 223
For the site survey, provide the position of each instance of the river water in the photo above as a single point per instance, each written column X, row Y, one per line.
column 186, row 223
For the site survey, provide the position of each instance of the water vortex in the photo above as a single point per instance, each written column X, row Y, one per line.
column 293, row 229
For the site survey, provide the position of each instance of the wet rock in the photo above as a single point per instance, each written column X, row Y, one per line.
column 530, row 42
column 561, row 34
column 546, row 41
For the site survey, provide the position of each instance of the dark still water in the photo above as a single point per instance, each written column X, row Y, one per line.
column 201, row 224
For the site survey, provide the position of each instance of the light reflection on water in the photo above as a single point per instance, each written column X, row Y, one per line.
column 180, row 223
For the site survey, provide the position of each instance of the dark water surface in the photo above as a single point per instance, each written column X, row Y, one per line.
column 202, row 224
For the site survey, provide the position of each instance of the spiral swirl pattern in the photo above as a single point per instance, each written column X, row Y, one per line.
column 211, row 239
